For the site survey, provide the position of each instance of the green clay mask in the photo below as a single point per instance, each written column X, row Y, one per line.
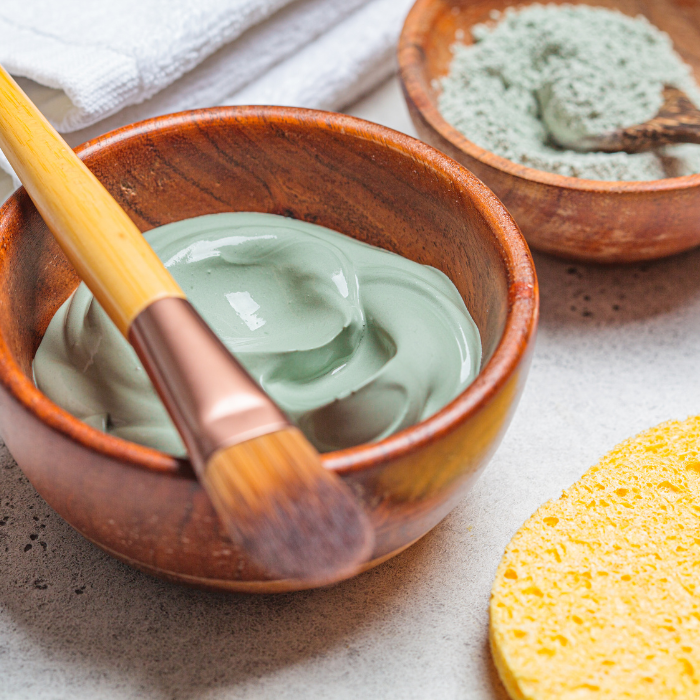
column 351, row 341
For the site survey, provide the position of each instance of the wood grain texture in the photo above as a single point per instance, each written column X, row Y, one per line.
column 362, row 179
column 589, row 220
column 101, row 241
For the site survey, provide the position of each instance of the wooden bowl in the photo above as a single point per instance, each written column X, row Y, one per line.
column 587, row 220
column 374, row 184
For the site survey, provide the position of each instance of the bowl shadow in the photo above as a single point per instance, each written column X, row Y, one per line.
column 82, row 608
column 583, row 295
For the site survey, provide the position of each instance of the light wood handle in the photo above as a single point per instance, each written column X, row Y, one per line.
column 100, row 240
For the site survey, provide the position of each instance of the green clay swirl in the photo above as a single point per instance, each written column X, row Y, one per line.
column 354, row 343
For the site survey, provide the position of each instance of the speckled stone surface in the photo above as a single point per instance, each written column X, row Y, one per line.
column 617, row 352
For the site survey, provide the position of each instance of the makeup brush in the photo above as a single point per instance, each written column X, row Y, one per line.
column 280, row 506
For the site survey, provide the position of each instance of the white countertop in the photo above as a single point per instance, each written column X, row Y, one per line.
column 617, row 352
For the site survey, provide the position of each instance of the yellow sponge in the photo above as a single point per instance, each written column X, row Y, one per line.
column 598, row 594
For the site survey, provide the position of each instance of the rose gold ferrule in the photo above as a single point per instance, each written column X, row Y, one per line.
column 212, row 400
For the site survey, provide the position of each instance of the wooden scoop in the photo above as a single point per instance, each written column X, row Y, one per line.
column 678, row 121
column 292, row 517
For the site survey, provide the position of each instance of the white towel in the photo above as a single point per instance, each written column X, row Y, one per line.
column 311, row 53
column 237, row 64
column 339, row 67
column 101, row 55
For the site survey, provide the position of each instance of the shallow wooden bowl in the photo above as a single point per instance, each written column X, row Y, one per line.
column 379, row 186
column 588, row 220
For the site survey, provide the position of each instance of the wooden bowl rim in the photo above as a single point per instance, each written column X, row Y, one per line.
column 411, row 58
column 520, row 324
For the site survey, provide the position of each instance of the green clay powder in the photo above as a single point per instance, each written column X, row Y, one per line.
column 353, row 342
column 552, row 74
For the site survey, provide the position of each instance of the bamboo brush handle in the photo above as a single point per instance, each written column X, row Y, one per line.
column 100, row 240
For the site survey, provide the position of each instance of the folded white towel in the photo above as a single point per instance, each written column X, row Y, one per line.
column 100, row 56
column 339, row 67
column 235, row 65
column 310, row 53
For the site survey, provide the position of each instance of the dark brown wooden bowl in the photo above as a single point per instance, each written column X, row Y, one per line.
column 587, row 220
column 374, row 184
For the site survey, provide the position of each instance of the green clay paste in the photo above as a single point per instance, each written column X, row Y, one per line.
column 351, row 341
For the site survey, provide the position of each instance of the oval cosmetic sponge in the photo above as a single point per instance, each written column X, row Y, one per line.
column 598, row 594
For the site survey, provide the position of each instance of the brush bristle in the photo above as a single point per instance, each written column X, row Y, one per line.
column 294, row 518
